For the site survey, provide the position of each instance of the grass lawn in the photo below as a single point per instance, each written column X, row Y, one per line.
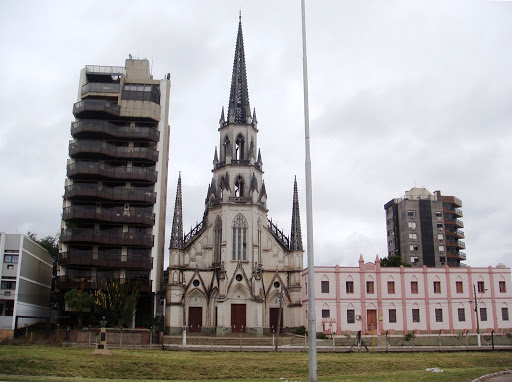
column 46, row 363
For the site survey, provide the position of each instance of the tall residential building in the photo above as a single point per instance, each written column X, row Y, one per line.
column 229, row 272
column 424, row 229
column 26, row 283
column 113, row 220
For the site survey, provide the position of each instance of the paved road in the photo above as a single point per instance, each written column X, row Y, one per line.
column 506, row 377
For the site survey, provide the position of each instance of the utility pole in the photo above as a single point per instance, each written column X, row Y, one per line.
column 477, row 321
column 309, row 211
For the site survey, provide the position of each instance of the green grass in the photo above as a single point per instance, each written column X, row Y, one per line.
column 45, row 363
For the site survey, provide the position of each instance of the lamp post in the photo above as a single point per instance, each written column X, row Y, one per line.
column 476, row 314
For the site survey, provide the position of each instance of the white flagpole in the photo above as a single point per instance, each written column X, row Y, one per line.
column 309, row 212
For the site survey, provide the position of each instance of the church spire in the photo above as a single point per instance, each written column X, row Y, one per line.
column 239, row 109
column 296, row 235
column 177, row 220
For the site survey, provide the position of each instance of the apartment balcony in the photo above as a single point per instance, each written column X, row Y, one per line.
column 460, row 234
column 90, row 191
column 461, row 244
column 459, row 223
column 91, row 128
column 105, row 70
column 107, row 260
column 95, row 170
column 101, row 87
column 457, row 212
column 96, row 107
column 114, row 215
column 462, row 255
column 99, row 149
column 93, row 282
column 107, row 237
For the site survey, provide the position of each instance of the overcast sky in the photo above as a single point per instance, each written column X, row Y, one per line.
column 402, row 94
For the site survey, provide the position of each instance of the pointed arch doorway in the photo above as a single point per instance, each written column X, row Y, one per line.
column 238, row 318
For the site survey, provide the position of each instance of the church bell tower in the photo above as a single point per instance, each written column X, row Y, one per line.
column 228, row 271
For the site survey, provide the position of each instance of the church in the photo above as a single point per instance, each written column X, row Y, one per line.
column 228, row 273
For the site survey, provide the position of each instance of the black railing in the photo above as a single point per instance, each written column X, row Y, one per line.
column 96, row 105
column 111, row 260
column 132, row 215
column 93, row 282
column 98, row 126
column 90, row 235
column 112, row 193
column 278, row 234
column 107, row 149
column 119, row 172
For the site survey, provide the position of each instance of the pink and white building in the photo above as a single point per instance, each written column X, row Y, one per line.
column 402, row 300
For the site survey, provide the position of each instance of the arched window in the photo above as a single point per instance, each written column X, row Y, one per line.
column 227, row 147
column 239, row 186
column 239, row 238
column 239, row 147
column 217, row 232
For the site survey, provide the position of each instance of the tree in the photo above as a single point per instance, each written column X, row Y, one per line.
column 78, row 300
column 393, row 261
column 116, row 302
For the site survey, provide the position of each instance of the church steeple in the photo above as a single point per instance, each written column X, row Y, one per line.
column 239, row 109
column 296, row 235
column 177, row 220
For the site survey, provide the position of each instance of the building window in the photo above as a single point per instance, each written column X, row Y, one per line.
column 458, row 287
column 441, row 249
column 503, row 288
column 141, row 92
column 391, row 287
column 217, row 232
column 437, row 287
column 411, row 214
column 413, row 236
column 326, row 313
column 481, row 287
column 239, row 147
column 439, row 315
column 369, row 287
column 440, row 236
column 392, row 316
column 239, row 238
column 9, row 308
column 351, row 317
column 439, row 226
column 239, row 186
column 10, row 266
column 11, row 285
column 504, row 314
column 349, row 286
column 414, row 287
column 325, row 286
column 462, row 314
column 11, row 258
column 413, row 247
column 415, row 315
column 483, row 314
column 412, row 226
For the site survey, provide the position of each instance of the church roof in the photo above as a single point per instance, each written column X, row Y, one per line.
column 296, row 235
column 239, row 109
column 177, row 220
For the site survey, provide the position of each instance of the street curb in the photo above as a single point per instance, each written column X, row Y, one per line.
column 487, row 376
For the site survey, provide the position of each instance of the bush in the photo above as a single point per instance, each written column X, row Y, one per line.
column 409, row 336
column 301, row 331
column 321, row 336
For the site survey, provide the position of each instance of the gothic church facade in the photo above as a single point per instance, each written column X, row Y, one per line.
column 229, row 272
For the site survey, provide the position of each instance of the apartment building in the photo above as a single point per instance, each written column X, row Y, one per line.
column 424, row 228
column 113, row 220
column 26, row 281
